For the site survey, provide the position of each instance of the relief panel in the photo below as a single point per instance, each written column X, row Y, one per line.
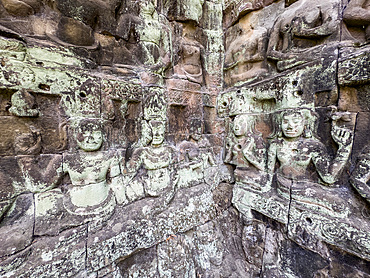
column 303, row 34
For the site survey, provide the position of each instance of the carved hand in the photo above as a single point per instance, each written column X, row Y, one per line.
column 341, row 136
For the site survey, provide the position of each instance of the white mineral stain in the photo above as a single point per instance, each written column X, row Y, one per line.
column 46, row 257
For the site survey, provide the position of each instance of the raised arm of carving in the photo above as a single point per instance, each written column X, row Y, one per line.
column 271, row 162
column 271, row 157
column 329, row 170
column 255, row 154
column 273, row 51
column 135, row 161
column 117, row 181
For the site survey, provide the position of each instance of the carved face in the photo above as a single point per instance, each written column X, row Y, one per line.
column 240, row 126
column 158, row 131
column 292, row 125
column 89, row 137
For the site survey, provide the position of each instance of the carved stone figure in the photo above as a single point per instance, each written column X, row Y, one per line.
column 79, row 21
column 197, row 160
column 191, row 167
column 88, row 169
column 197, row 165
column 236, row 9
column 150, row 169
column 357, row 14
column 295, row 148
column 245, row 148
column 300, row 32
column 187, row 10
column 155, row 39
column 189, row 64
column 23, row 104
column 21, row 8
column 39, row 172
column 245, row 55
column 361, row 175
column 31, row 173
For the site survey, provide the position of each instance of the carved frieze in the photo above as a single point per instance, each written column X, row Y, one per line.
column 184, row 138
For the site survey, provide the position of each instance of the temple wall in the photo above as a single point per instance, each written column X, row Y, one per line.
column 184, row 138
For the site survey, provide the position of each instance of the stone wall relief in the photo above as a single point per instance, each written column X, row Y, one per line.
column 155, row 42
column 354, row 78
column 361, row 174
column 39, row 172
column 90, row 177
column 88, row 169
column 150, row 170
column 247, row 100
column 234, row 10
column 301, row 33
column 296, row 173
column 246, row 51
column 356, row 15
column 22, row 176
column 197, row 162
column 189, row 54
column 245, row 148
column 23, row 104
column 123, row 36
column 295, row 148
column 189, row 10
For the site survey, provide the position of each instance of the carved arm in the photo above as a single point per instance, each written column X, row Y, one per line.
column 329, row 170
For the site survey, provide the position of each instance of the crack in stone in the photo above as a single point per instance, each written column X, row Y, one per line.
column 263, row 252
column 86, row 241
column 289, row 207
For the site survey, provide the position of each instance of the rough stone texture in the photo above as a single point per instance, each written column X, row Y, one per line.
column 187, row 138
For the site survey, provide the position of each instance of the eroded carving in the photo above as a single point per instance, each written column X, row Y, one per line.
column 77, row 212
column 357, row 15
column 89, row 192
column 155, row 40
column 88, row 170
column 189, row 64
column 196, row 164
column 300, row 33
column 361, row 174
column 150, row 170
column 246, row 149
column 23, row 104
column 245, row 55
column 295, row 148
column 188, row 10
column 236, row 9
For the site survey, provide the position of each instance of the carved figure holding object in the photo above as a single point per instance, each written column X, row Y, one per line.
column 296, row 149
